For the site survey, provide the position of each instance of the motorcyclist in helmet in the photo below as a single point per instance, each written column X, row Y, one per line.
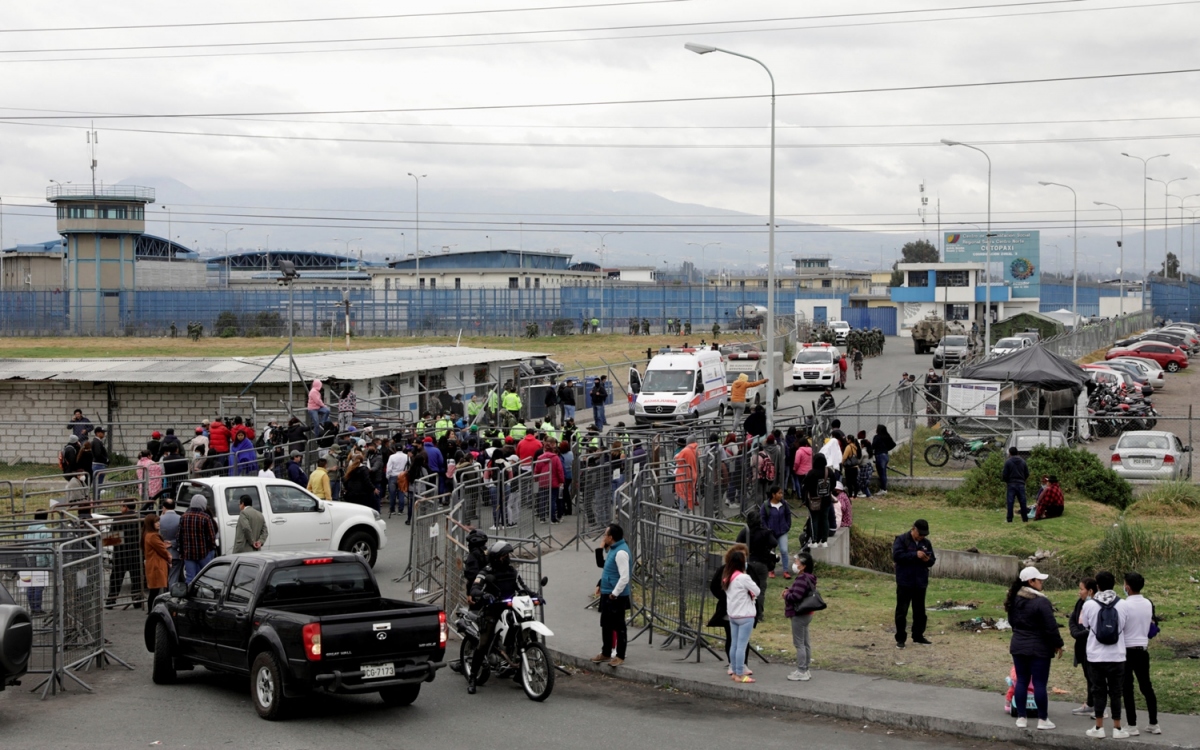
column 495, row 583
column 476, row 559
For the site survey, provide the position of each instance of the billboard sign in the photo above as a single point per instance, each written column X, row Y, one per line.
column 973, row 398
column 1019, row 253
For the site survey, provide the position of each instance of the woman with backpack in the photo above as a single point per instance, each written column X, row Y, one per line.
column 1035, row 641
column 818, row 489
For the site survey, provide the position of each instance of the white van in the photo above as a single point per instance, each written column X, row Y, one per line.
column 678, row 386
column 841, row 329
column 754, row 365
column 815, row 366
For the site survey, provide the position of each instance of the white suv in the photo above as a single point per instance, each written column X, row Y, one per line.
column 815, row 366
column 840, row 329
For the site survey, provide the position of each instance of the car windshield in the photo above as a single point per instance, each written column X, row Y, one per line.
column 955, row 341
column 1143, row 440
column 668, row 380
column 813, row 357
column 1028, row 442
column 1008, row 343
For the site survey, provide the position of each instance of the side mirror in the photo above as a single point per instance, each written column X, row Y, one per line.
column 546, row 580
column 179, row 590
column 1112, row 447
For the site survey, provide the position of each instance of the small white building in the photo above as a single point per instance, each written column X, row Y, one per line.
column 954, row 291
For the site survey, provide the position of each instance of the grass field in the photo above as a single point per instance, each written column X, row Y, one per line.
column 588, row 351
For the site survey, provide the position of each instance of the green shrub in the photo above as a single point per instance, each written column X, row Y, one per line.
column 225, row 320
column 1078, row 471
column 1177, row 498
column 228, row 333
column 1128, row 546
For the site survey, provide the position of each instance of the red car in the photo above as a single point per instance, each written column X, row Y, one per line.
column 1170, row 358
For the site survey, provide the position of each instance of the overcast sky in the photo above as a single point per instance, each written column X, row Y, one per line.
column 851, row 160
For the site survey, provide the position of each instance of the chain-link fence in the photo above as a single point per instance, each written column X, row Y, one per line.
column 1100, row 335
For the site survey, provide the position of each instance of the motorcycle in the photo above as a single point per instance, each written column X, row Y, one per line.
column 950, row 445
column 516, row 651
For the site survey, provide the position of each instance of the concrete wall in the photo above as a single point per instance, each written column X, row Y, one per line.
column 974, row 566
column 36, row 413
column 837, row 553
column 833, row 308
column 182, row 274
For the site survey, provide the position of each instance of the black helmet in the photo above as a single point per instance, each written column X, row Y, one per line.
column 499, row 553
column 476, row 539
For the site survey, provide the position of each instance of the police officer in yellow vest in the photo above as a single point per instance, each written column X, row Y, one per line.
column 518, row 431
column 473, row 408
column 444, row 425
column 512, row 404
column 548, row 427
column 422, row 423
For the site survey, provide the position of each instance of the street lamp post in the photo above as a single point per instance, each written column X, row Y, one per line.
column 1121, row 247
column 226, row 233
column 703, row 49
column 603, row 273
column 703, row 283
column 1166, row 212
column 346, row 293
column 1145, row 215
column 987, row 290
column 1074, row 248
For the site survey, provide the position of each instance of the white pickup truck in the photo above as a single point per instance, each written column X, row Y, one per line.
column 296, row 520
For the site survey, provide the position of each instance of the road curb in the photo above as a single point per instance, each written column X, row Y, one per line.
column 759, row 695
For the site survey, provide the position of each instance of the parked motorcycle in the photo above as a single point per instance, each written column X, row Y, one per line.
column 951, row 445
column 516, row 651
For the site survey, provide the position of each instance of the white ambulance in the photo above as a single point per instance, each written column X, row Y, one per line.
column 680, row 385
column 815, row 366
column 754, row 365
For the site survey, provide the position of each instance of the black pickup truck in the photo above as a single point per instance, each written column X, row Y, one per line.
column 296, row 623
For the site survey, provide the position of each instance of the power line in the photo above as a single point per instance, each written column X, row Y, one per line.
column 330, row 19
column 620, row 102
column 511, row 42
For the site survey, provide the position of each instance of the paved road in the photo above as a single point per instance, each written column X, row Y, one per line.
column 209, row 710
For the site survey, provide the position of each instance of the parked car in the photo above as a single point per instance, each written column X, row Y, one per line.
column 1142, row 375
column 1011, row 344
column 16, row 639
column 540, row 367
column 1151, row 454
column 1026, row 440
column 296, row 520
column 1102, row 373
column 952, row 350
column 1174, row 339
column 1032, row 335
column 1171, row 358
column 841, row 329
column 296, row 623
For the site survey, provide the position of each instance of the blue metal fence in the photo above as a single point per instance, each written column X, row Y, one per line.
column 883, row 318
column 1176, row 300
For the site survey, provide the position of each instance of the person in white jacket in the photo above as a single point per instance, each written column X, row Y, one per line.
column 740, row 593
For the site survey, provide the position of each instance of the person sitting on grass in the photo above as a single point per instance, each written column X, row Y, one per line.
column 1050, row 500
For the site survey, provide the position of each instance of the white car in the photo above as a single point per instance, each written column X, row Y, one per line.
column 1151, row 454
column 1011, row 344
column 1152, row 371
column 815, row 366
column 296, row 520
column 841, row 329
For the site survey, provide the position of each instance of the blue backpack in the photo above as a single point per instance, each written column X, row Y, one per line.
column 1108, row 624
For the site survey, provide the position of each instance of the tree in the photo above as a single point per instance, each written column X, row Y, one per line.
column 1171, row 267
column 919, row 251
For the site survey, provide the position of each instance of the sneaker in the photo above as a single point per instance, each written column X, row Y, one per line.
column 787, row 576
column 491, row 528
column 798, row 676
column 1119, row 734
column 616, row 661
column 1153, row 729
column 1022, row 722
column 1084, row 710
column 881, row 492
column 923, row 641
column 899, row 644
column 771, row 574
column 599, row 658
column 1045, row 724
column 1133, row 730
column 1096, row 732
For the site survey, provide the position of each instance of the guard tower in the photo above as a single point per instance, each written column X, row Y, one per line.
column 100, row 226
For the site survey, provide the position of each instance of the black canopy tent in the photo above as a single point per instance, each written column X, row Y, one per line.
column 1034, row 367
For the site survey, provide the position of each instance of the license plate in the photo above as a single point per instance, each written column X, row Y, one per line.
column 1142, row 461
column 376, row 671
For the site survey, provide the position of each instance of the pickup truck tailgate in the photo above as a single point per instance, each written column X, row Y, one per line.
column 385, row 634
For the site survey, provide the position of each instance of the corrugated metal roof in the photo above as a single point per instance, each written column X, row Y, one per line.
column 352, row 365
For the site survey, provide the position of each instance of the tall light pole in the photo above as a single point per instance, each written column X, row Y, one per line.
column 226, row 233
column 417, row 222
column 346, row 293
column 1145, row 216
column 169, row 253
column 703, row 246
column 1074, row 248
column 1121, row 248
column 603, row 273
column 703, row 49
column 1166, row 212
column 987, row 290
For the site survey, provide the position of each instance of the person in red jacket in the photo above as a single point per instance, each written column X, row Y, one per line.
column 842, row 372
column 218, row 444
column 528, row 447
column 548, row 470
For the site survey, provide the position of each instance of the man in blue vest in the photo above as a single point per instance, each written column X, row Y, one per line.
column 613, row 591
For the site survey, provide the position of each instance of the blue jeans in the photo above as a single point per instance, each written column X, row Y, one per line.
column 98, row 473
column 598, row 417
column 568, row 411
column 783, row 553
column 192, row 567
column 1016, row 492
column 318, row 417
column 1037, row 669
column 881, row 463
column 35, row 598
column 739, row 632
column 396, row 498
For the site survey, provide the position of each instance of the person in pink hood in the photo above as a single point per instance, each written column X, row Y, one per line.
column 318, row 412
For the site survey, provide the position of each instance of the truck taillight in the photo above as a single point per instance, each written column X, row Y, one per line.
column 443, row 630
column 312, row 641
